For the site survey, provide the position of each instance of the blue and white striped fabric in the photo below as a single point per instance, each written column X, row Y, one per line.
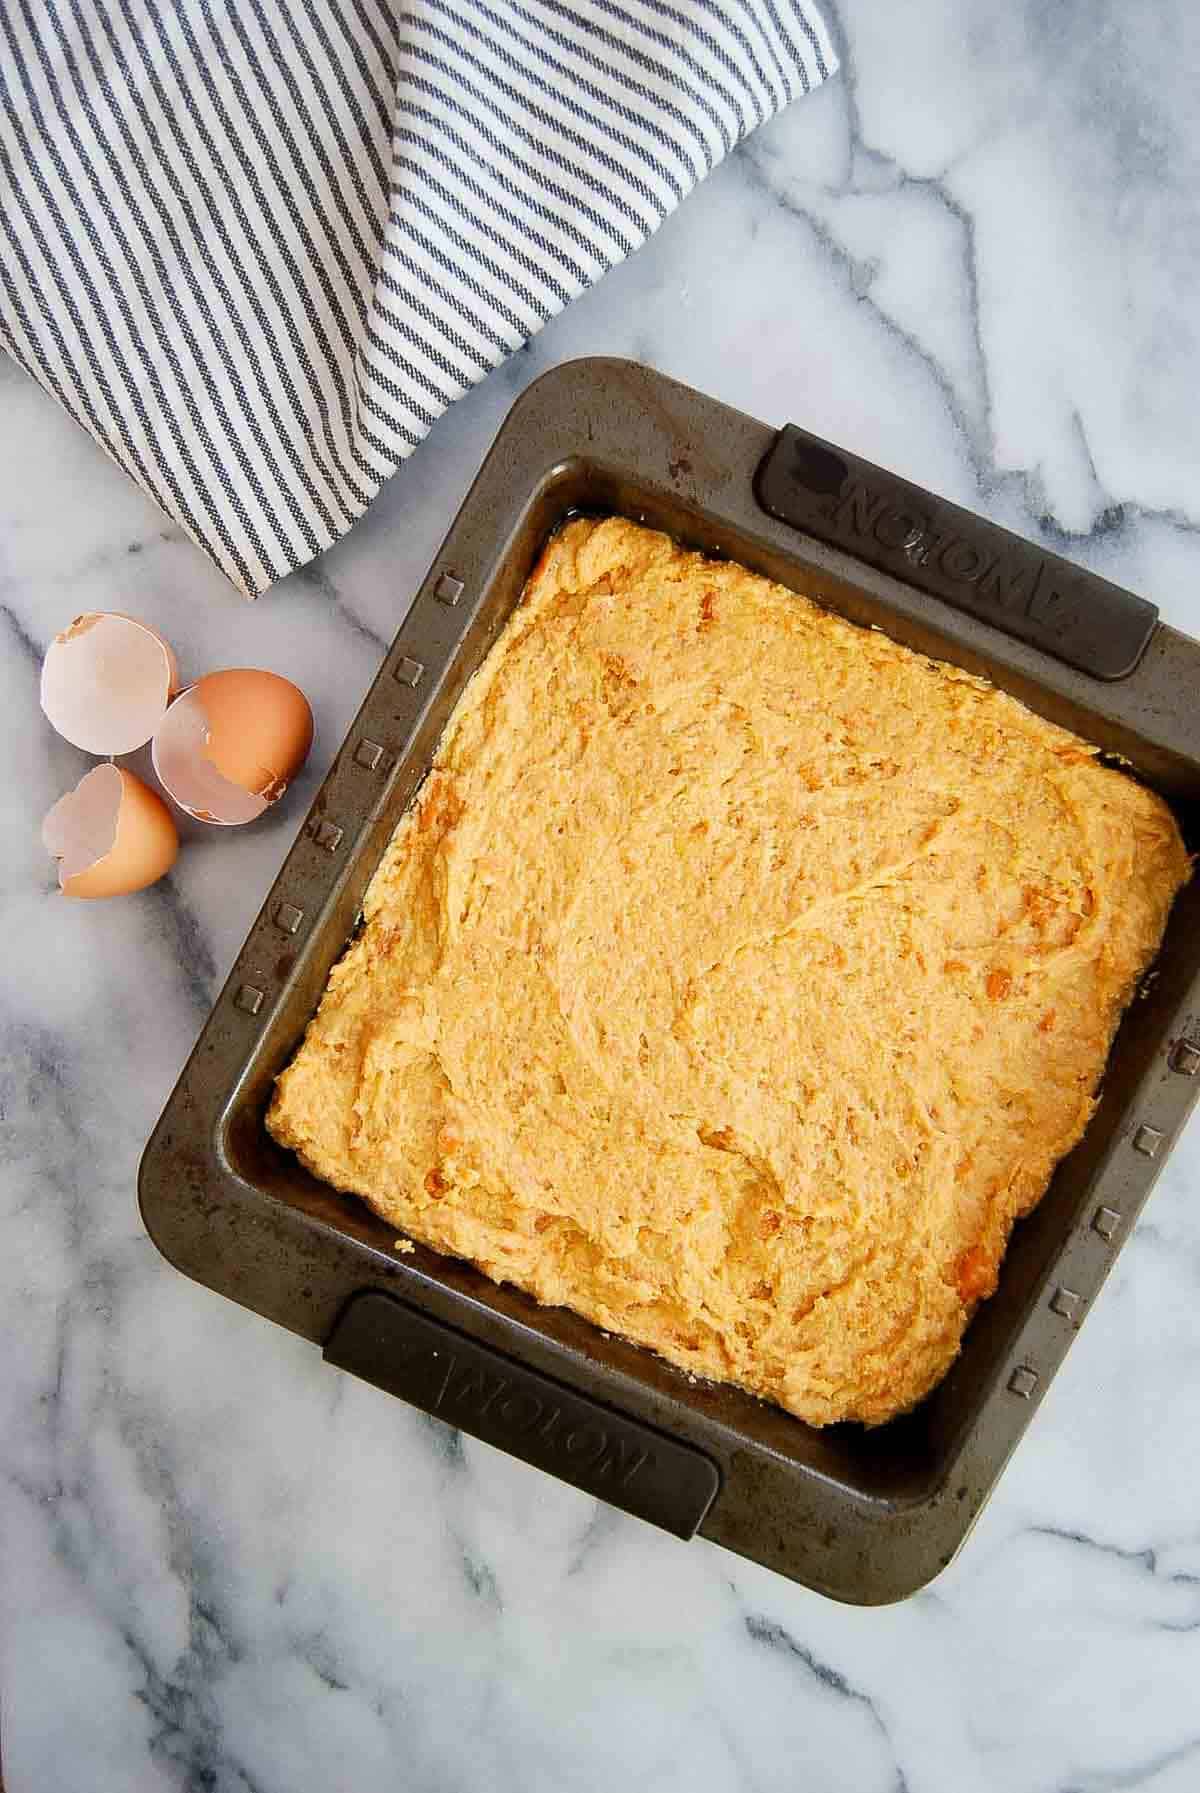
column 257, row 247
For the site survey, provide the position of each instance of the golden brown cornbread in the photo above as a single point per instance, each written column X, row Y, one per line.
column 736, row 979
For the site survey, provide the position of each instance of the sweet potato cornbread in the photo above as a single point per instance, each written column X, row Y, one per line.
column 736, row 979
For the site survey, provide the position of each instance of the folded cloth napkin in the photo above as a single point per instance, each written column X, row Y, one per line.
column 257, row 247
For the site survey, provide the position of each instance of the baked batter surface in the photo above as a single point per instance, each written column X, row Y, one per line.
column 736, row 979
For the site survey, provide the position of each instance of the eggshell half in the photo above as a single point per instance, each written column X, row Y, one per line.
column 110, row 835
column 106, row 682
column 230, row 745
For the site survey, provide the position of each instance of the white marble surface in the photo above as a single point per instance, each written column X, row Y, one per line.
column 225, row 1567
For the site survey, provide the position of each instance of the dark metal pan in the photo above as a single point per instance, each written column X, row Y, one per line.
column 862, row 1515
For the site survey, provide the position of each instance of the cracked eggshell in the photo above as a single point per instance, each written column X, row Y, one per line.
column 112, row 834
column 230, row 745
column 106, row 682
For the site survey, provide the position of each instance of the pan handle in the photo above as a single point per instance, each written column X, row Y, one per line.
column 951, row 554
column 483, row 1391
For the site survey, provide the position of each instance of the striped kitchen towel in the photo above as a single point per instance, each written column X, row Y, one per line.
column 257, row 247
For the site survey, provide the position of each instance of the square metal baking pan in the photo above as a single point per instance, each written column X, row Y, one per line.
column 862, row 1515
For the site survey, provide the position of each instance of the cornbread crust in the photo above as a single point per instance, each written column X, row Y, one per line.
column 736, row 979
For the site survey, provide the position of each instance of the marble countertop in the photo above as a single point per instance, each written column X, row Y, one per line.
column 973, row 257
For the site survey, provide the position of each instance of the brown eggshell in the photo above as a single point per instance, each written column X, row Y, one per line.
column 106, row 681
column 229, row 746
column 111, row 835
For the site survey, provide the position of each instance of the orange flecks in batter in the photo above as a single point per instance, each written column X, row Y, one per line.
column 974, row 1275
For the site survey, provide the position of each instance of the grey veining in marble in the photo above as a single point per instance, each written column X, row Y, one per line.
column 974, row 257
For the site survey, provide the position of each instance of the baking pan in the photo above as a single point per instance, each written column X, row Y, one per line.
column 862, row 1515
